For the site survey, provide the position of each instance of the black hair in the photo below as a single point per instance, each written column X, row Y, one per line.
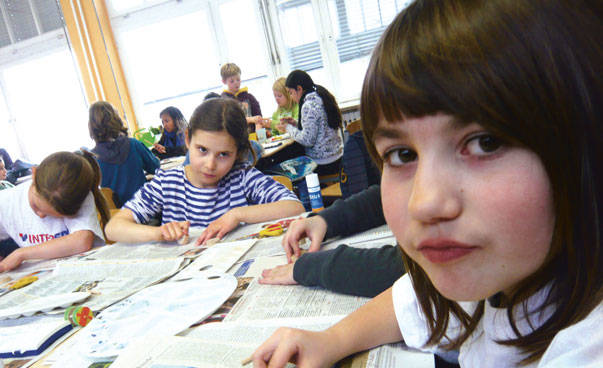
column 303, row 79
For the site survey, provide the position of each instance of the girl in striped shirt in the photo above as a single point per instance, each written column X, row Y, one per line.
column 217, row 190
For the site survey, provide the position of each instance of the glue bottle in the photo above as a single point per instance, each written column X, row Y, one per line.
column 314, row 192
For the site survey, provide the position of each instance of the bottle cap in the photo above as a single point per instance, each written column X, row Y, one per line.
column 312, row 180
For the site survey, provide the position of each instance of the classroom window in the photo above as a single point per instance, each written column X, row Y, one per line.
column 42, row 106
column 172, row 50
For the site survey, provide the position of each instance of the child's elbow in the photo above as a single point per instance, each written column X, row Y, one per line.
column 297, row 208
column 85, row 241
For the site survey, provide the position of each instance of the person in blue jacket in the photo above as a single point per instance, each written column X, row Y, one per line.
column 124, row 161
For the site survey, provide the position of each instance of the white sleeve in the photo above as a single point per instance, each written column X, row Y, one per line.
column 411, row 320
column 85, row 219
column 579, row 345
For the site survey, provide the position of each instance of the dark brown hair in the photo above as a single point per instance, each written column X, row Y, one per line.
column 65, row 179
column 529, row 71
column 218, row 114
column 104, row 122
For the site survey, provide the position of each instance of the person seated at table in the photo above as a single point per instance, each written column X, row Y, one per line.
column 4, row 184
column 375, row 269
column 287, row 107
column 172, row 141
column 57, row 215
column 231, row 77
column 319, row 122
column 482, row 118
column 123, row 161
column 217, row 190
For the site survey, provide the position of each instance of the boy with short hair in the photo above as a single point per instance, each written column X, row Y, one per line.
column 231, row 77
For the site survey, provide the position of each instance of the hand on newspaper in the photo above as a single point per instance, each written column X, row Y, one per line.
column 279, row 275
column 173, row 231
column 314, row 228
column 220, row 227
column 303, row 348
column 11, row 261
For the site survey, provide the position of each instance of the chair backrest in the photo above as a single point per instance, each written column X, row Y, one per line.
column 358, row 172
column 283, row 180
column 354, row 126
column 108, row 194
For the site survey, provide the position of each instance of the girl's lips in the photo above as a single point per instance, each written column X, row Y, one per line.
column 442, row 251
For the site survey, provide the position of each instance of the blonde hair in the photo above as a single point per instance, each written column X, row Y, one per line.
column 279, row 86
column 229, row 69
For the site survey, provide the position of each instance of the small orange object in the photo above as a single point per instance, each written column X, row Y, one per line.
column 78, row 315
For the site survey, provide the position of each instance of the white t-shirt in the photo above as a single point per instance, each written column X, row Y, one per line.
column 19, row 222
column 576, row 346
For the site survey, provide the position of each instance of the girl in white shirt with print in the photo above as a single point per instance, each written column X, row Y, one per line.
column 56, row 215
column 485, row 117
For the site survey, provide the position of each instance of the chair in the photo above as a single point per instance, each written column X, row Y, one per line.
column 283, row 180
column 354, row 126
column 108, row 194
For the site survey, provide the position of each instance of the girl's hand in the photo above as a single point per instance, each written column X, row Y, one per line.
column 220, row 227
column 159, row 148
column 314, row 228
column 266, row 123
column 173, row 231
column 289, row 120
column 303, row 348
column 279, row 275
column 12, row 261
column 281, row 127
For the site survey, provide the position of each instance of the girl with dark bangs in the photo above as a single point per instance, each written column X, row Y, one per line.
column 485, row 118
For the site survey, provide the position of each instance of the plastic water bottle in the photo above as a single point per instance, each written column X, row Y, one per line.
column 314, row 192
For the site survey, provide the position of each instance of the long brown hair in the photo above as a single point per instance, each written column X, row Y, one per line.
column 529, row 71
column 104, row 123
column 64, row 180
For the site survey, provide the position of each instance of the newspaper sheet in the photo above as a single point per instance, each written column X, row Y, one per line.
column 212, row 345
column 108, row 281
column 399, row 355
column 373, row 238
column 218, row 258
column 262, row 302
column 143, row 251
column 254, row 267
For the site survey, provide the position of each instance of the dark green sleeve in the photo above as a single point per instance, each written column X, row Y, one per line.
column 348, row 270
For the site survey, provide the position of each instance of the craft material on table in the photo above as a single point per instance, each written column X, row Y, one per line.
column 30, row 336
column 43, row 304
column 163, row 309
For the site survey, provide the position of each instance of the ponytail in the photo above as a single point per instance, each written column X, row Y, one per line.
column 64, row 180
column 303, row 79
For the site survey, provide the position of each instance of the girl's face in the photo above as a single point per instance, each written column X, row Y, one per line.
column 168, row 123
column 475, row 213
column 295, row 93
column 281, row 100
column 2, row 171
column 40, row 206
column 212, row 156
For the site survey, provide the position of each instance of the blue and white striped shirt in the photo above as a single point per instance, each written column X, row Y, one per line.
column 171, row 194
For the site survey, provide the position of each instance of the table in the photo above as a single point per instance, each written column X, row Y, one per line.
column 168, row 163
column 276, row 144
column 247, row 266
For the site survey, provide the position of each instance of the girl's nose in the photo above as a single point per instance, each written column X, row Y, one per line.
column 435, row 195
column 210, row 163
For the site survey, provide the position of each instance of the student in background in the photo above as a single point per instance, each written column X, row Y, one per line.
column 55, row 216
column 319, row 122
column 4, row 184
column 172, row 142
column 217, row 190
column 482, row 116
column 231, row 77
column 287, row 107
column 123, row 161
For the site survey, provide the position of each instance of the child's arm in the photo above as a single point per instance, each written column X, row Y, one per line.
column 77, row 242
column 371, row 325
column 250, row 214
column 123, row 228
